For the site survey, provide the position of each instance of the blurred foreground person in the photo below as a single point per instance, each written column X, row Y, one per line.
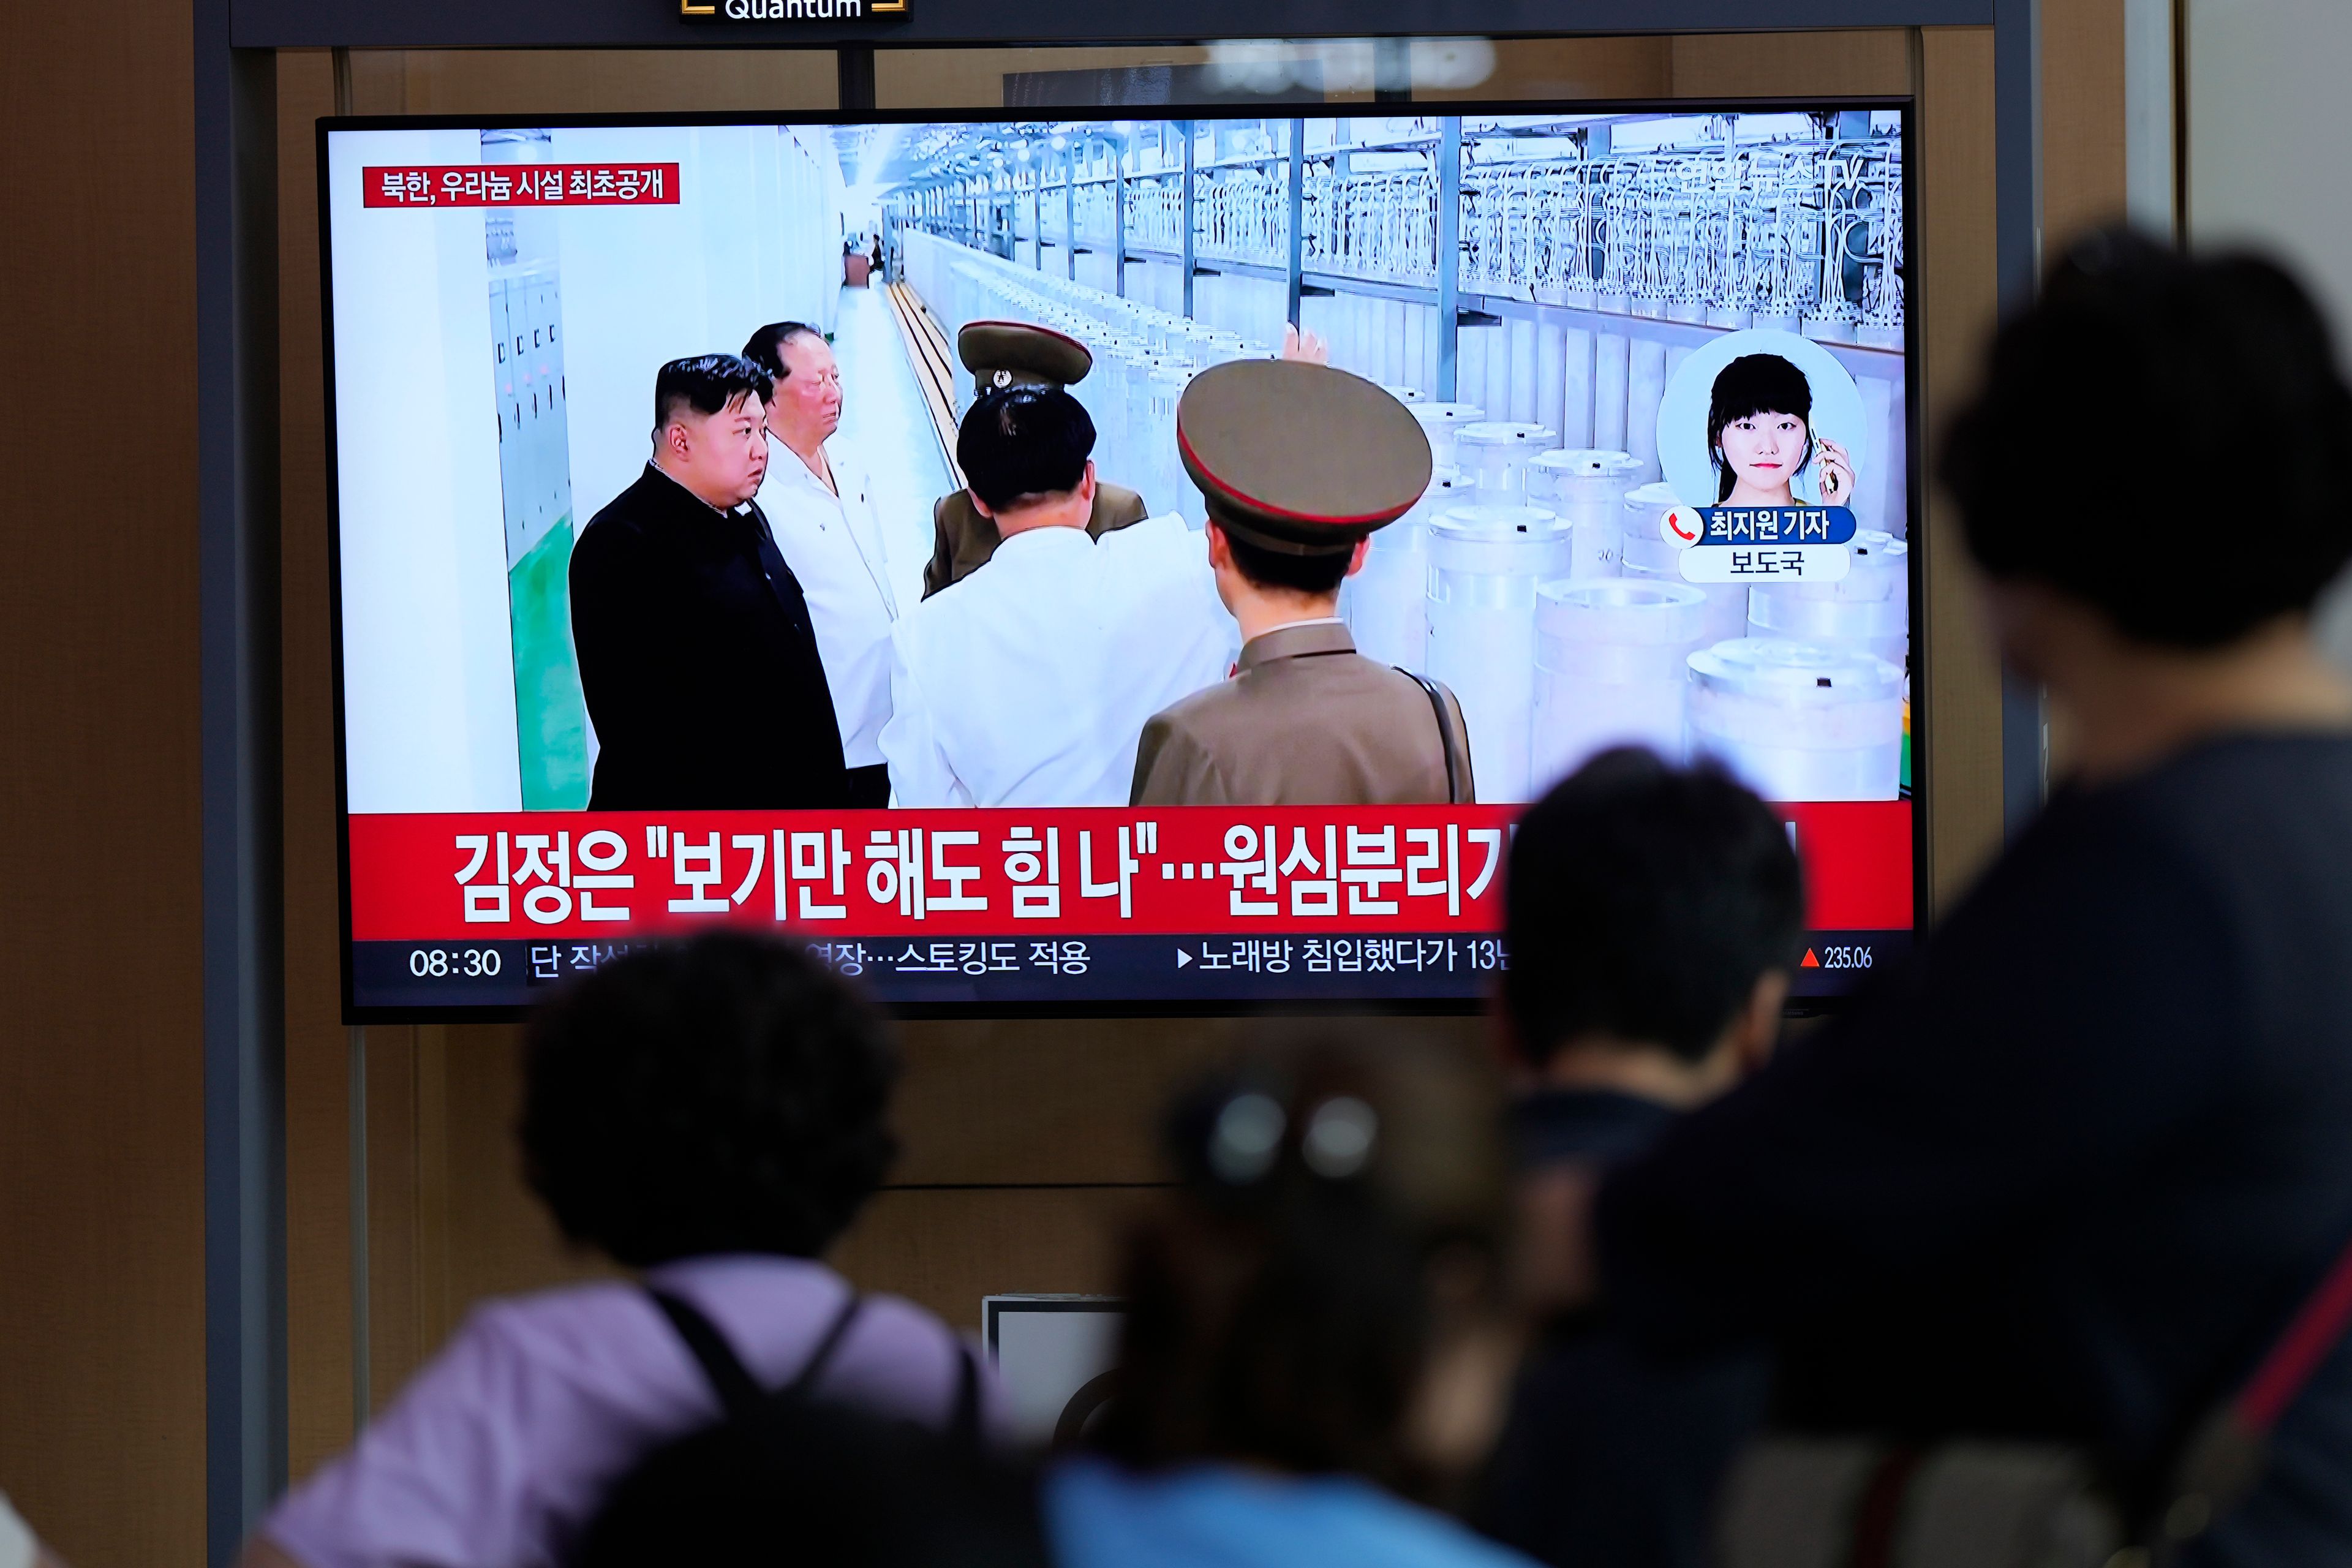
column 1312, row 1326
column 1654, row 916
column 712, row 1116
column 2072, row 1172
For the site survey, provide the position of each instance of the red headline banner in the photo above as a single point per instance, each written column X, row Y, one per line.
column 1065, row 870
column 521, row 186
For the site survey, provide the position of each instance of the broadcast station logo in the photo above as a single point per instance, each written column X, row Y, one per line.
column 789, row 10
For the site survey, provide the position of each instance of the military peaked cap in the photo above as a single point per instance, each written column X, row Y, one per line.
column 1299, row 457
column 1017, row 353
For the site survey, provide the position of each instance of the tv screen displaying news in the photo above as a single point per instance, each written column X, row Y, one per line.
column 664, row 598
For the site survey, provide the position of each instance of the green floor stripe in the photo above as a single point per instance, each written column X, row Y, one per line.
column 550, row 716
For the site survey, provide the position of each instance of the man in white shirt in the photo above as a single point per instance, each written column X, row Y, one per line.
column 820, row 504
column 1028, row 682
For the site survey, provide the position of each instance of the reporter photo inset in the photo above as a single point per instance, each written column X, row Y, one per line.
column 783, row 521
column 1813, row 701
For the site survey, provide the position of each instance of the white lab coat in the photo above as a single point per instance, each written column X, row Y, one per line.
column 833, row 545
column 1029, row 682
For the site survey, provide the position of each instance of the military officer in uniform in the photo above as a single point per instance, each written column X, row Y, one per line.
column 1300, row 465
column 1001, row 355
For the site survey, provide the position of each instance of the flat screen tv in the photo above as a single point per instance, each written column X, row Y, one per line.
column 1659, row 352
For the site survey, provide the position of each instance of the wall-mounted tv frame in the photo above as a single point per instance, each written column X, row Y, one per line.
column 459, row 740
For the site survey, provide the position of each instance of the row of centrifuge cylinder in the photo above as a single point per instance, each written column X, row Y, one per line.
column 1762, row 236
column 1539, row 586
column 1534, row 583
column 1597, row 387
column 1143, row 357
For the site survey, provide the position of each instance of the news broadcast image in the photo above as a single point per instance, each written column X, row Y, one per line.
column 615, row 666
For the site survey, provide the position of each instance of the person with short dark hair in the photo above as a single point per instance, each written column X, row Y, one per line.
column 2072, row 1172
column 710, row 1116
column 820, row 501
column 1300, row 465
column 1030, row 445
column 1314, row 1326
column 698, row 656
column 1027, row 682
column 1654, row 915
column 1001, row 354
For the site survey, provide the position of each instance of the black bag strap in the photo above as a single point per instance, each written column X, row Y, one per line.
column 1437, row 695
column 963, row 1422
column 740, row 1393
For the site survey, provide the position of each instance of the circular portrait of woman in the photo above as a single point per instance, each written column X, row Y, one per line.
column 1762, row 418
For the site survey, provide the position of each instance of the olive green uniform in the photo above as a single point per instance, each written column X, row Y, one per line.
column 1001, row 355
column 962, row 539
column 1306, row 721
column 1303, row 460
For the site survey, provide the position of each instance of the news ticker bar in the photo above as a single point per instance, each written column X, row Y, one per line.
column 1121, row 969
column 998, row 873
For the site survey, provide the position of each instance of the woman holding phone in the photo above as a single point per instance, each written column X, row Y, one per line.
column 1760, row 435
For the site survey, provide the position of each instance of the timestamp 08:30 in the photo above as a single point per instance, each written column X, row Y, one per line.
column 446, row 963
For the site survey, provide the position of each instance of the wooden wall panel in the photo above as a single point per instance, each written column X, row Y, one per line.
column 588, row 81
column 1549, row 68
column 102, row 1051
column 318, row 1145
column 1958, row 297
column 2084, row 174
column 535, row 81
column 974, row 79
column 1016, row 1102
column 2083, row 180
column 946, row 1250
column 1841, row 62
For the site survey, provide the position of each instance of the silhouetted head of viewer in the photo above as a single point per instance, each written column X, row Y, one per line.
column 727, row 1095
column 1655, row 915
column 2149, row 594
column 1320, row 1295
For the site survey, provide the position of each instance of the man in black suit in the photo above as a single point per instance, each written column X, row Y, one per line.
column 697, row 653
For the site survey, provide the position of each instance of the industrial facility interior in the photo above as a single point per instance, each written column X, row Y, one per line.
column 1531, row 285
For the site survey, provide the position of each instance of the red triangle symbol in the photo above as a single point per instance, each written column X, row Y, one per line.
column 1810, row 962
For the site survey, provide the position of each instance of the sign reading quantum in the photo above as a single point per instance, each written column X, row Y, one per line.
column 789, row 10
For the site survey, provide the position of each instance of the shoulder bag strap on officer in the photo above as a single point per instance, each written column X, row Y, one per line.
column 1436, row 694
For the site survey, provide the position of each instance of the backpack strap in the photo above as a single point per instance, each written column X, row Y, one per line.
column 805, row 1383
column 964, row 1421
column 1437, row 695
column 740, row 1394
